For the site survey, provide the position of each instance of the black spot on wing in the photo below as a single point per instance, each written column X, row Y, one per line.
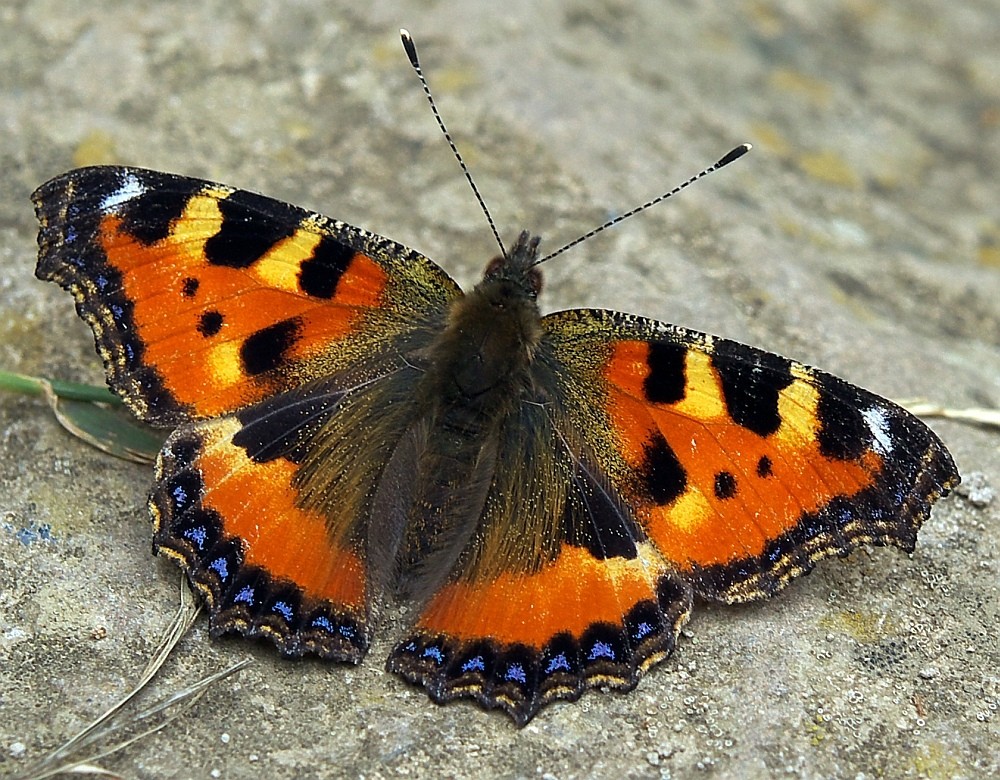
column 751, row 383
column 150, row 217
column 320, row 274
column 251, row 226
column 887, row 512
column 189, row 287
column 843, row 433
column 210, row 323
column 765, row 468
column 267, row 349
column 662, row 476
column 665, row 383
column 725, row 485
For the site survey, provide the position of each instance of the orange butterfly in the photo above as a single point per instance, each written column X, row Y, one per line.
column 552, row 491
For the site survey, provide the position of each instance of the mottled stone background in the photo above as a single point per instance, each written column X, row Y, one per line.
column 861, row 235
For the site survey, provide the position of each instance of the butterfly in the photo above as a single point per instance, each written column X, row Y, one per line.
column 550, row 492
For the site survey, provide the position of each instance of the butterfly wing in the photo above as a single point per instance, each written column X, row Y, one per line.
column 556, row 592
column 268, row 510
column 653, row 464
column 273, row 337
column 744, row 468
column 205, row 299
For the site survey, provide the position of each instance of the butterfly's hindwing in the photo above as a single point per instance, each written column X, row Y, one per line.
column 558, row 590
column 268, row 510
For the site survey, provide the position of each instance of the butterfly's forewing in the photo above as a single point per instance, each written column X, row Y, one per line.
column 743, row 468
column 205, row 299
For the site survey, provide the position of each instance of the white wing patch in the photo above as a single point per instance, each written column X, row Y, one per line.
column 130, row 188
column 879, row 426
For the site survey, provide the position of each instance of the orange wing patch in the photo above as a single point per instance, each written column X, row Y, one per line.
column 737, row 489
column 567, row 596
column 288, row 542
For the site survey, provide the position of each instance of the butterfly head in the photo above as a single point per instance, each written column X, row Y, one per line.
column 498, row 322
column 515, row 272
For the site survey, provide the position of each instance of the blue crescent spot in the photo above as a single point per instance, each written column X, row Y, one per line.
column 557, row 664
column 516, row 673
column 245, row 596
column 198, row 534
column 474, row 664
column 644, row 629
column 284, row 609
column 221, row 567
column 323, row 622
column 347, row 632
column 601, row 650
column 434, row 652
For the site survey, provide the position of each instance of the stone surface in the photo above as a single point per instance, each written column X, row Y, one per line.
column 861, row 235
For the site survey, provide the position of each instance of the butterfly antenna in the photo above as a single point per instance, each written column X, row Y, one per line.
column 411, row 52
column 732, row 155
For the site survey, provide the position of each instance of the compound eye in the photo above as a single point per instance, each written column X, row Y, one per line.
column 535, row 280
column 494, row 266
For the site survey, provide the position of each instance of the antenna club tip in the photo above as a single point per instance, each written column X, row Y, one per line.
column 409, row 46
column 732, row 155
